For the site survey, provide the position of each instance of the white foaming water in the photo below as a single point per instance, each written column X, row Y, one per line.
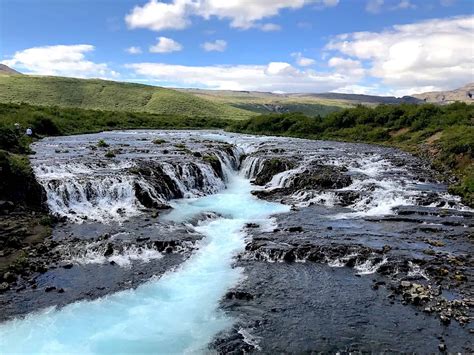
column 178, row 313
column 106, row 193
column 369, row 266
column 93, row 253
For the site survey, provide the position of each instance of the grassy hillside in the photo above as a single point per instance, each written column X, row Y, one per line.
column 266, row 102
column 443, row 134
column 111, row 96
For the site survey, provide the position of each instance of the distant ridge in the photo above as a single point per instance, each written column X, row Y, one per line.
column 7, row 70
column 463, row 94
column 362, row 98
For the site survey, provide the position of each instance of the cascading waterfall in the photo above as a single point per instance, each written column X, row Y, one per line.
column 177, row 313
column 108, row 192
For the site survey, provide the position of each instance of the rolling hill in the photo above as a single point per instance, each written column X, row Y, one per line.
column 110, row 95
column 307, row 103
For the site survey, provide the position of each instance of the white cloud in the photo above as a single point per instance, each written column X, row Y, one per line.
column 218, row 45
column 270, row 27
column 434, row 53
column 302, row 61
column 60, row 60
column 166, row 45
column 133, row 50
column 374, row 6
column 157, row 16
column 276, row 76
column 347, row 66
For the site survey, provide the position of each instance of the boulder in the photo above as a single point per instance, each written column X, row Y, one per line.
column 270, row 168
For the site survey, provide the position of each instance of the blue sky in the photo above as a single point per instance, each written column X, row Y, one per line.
column 405, row 46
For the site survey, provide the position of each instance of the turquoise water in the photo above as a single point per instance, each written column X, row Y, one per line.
column 176, row 313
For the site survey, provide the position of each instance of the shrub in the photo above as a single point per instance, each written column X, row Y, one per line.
column 102, row 144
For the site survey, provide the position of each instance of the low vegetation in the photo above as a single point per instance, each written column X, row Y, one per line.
column 444, row 134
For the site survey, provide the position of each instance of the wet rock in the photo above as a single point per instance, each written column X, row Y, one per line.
column 239, row 295
column 321, row 177
column 347, row 197
column 270, row 168
column 9, row 277
column 109, row 250
column 296, row 229
column 4, row 286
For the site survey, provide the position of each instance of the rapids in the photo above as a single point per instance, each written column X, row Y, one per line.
column 176, row 313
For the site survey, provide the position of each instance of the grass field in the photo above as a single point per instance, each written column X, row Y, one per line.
column 266, row 102
column 111, row 96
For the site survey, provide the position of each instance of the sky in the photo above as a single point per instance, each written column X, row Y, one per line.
column 381, row 47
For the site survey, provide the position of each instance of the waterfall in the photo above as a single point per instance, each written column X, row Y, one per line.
column 115, row 191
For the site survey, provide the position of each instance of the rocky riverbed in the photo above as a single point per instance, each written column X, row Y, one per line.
column 372, row 251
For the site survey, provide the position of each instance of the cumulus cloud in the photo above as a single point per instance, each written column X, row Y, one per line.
column 432, row 53
column 60, row 60
column 243, row 14
column 166, row 45
column 133, row 50
column 156, row 15
column 218, row 45
column 302, row 61
column 275, row 76
column 347, row 66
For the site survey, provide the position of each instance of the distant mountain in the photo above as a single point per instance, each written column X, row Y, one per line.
column 7, row 70
column 310, row 104
column 464, row 94
column 363, row 99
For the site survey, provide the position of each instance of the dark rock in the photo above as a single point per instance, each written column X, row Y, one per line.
column 49, row 288
column 9, row 277
column 295, row 229
column 4, row 286
column 109, row 250
column 270, row 168
column 239, row 295
column 347, row 197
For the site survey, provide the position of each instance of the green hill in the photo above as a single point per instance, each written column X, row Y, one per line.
column 111, row 96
